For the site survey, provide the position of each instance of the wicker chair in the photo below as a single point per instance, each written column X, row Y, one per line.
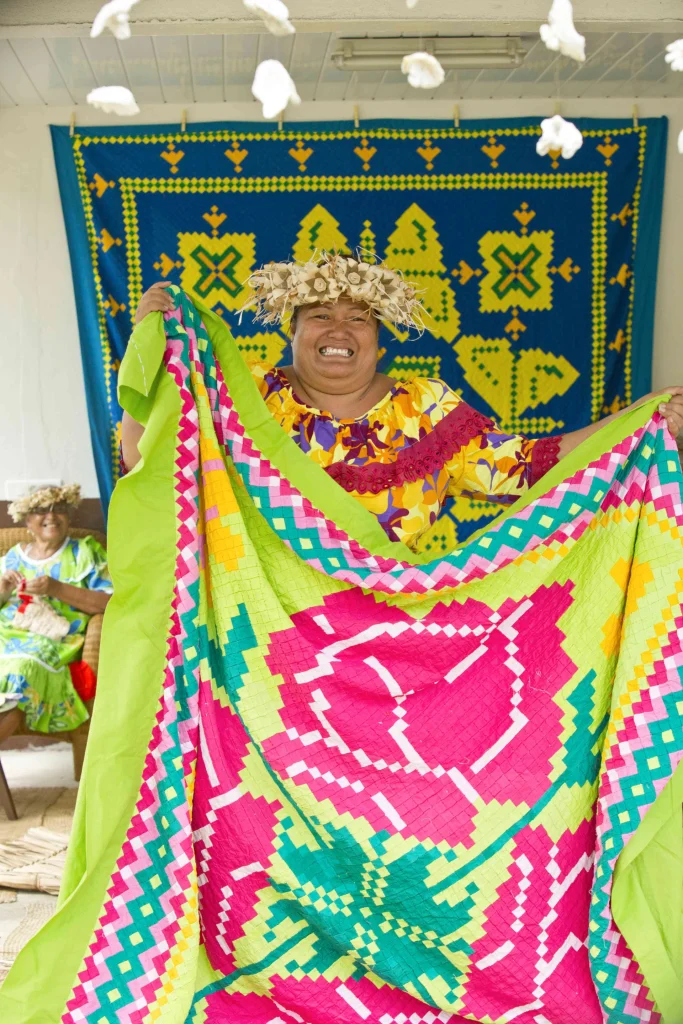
column 91, row 647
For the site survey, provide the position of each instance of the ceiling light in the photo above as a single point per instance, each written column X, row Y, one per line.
column 454, row 52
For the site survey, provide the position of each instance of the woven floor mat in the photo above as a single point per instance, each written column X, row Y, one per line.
column 35, row 861
column 51, row 808
column 37, row 914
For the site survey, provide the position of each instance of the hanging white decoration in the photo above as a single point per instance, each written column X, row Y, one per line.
column 274, row 88
column 274, row 14
column 114, row 99
column 423, row 70
column 674, row 55
column 113, row 16
column 559, row 135
column 560, row 34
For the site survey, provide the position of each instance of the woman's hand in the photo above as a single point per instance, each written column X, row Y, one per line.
column 155, row 300
column 672, row 411
column 9, row 581
column 40, row 586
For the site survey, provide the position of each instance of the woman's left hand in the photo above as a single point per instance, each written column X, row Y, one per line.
column 672, row 411
column 40, row 586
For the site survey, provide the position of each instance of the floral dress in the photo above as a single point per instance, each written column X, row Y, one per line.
column 34, row 666
column 418, row 445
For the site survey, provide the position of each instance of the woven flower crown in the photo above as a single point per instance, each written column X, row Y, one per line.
column 44, row 498
column 279, row 288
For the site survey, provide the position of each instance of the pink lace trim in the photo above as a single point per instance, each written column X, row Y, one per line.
column 544, row 455
column 428, row 455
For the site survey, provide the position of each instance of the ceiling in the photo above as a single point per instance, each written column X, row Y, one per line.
column 186, row 69
column 207, row 51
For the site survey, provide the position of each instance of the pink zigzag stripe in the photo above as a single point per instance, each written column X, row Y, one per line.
column 620, row 765
column 142, row 830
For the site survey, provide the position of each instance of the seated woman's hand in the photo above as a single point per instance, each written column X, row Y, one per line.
column 155, row 300
column 41, row 586
column 9, row 581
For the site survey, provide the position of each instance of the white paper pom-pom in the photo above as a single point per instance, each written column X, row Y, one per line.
column 560, row 35
column 274, row 14
column 113, row 16
column 423, row 70
column 674, row 55
column 114, row 99
column 274, row 88
column 680, row 143
column 558, row 134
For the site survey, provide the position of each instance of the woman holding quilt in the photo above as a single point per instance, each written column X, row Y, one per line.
column 399, row 447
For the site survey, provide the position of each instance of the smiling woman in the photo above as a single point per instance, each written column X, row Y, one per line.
column 334, row 345
column 400, row 447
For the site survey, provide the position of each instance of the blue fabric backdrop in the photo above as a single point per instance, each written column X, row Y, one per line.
column 539, row 272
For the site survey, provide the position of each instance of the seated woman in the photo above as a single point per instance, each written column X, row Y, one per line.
column 399, row 447
column 49, row 589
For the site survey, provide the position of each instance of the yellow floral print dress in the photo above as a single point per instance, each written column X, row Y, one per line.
column 418, row 445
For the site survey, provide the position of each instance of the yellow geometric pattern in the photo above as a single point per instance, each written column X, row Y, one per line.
column 214, row 269
column 226, row 547
column 518, row 271
column 265, row 347
column 414, row 249
column 513, row 382
column 319, row 230
column 442, row 536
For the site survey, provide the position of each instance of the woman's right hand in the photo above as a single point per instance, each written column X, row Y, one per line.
column 9, row 581
column 155, row 300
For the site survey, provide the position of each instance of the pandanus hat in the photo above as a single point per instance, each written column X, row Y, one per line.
column 277, row 289
column 43, row 499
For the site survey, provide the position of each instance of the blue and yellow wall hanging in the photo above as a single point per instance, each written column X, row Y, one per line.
column 539, row 273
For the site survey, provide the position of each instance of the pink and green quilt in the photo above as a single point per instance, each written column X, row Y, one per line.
column 332, row 782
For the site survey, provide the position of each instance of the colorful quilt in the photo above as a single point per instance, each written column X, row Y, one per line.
column 331, row 782
column 538, row 273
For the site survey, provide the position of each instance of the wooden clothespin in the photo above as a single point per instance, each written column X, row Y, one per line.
column 456, row 116
column 356, row 117
column 72, row 124
column 183, row 121
column 635, row 115
column 558, row 108
column 280, row 123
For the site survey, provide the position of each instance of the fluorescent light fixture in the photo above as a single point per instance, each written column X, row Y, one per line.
column 453, row 52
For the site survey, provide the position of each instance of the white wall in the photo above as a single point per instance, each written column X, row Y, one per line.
column 43, row 423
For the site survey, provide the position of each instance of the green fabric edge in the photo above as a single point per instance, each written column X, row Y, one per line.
column 647, row 901
column 142, row 532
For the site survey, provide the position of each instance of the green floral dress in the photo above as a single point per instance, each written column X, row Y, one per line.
column 37, row 668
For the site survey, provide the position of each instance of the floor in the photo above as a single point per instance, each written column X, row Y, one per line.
column 39, row 767
column 32, row 768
